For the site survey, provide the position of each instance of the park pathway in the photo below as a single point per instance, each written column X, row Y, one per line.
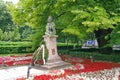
column 15, row 72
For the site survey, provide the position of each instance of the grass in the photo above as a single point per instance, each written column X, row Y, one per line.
column 17, row 54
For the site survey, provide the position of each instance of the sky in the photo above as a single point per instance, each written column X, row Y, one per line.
column 14, row 1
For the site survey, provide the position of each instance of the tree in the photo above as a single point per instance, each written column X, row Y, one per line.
column 16, row 34
column 25, row 32
column 115, row 36
column 36, row 13
column 6, row 23
column 8, row 29
column 77, row 17
column 97, row 16
column 1, row 33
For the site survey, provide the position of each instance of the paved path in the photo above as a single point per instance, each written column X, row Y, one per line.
column 15, row 72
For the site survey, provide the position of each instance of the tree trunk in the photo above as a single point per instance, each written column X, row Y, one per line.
column 100, row 35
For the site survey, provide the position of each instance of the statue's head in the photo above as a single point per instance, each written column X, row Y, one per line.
column 50, row 19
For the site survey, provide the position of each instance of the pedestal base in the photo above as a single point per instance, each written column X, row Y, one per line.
column 55, row 65
column 54, row 60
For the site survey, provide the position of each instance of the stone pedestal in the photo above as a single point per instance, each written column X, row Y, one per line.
column 54, row 59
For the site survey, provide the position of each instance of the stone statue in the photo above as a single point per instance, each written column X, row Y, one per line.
column 50, row 27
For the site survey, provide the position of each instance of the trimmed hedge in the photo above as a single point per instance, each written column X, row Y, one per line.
column 96, row 56
column 15, row 47
column 15, row 44
column 77, row 51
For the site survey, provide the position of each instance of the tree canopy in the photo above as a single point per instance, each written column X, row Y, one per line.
column 5, row 18
column 8, row 30
column 76, row 17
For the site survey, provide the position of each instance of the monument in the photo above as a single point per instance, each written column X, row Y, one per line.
column 53, row 60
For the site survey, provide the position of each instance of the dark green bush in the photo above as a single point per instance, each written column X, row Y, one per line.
column 95, row 55
column 69, row 46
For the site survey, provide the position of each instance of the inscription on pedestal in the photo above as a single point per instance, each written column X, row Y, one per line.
column 53, row 51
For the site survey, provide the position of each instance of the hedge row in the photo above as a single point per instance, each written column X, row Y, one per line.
column 15, row 44
column 96, row 56
column 15, row 47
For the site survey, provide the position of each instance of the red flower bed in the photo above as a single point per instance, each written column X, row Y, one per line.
column 16, row 60
column 76, row 69
column 43, row 77
column 9, row 63
column 22, row 62
column 89, row 67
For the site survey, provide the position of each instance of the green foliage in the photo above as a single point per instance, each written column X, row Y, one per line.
column 8, row 30
column 16, row 34
column 96, row 56
column 25, row 34
column 1, row 33
column 15, row 47
column 5, row 36
column 15, row 44
column 76, row 17
column 95, row 18
column 6, row 23
column 37, row 55
column 10, row 35
column 32, row 13
column 115, row 36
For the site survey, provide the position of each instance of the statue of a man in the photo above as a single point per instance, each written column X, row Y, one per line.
column 50, row 27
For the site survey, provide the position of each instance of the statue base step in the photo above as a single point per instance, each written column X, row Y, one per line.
column 55, row 65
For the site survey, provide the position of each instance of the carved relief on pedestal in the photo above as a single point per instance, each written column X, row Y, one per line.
column 53, row 51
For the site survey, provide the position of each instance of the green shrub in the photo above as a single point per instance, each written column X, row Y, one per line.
column 95, row 55
column 15, row 47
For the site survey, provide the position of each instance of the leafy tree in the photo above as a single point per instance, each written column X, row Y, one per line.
column 100, row 17
column 8, row 30
column 6, row 23
column 76, row 17
column 25, row 32
column 32, row 13
column 115, row 36
column 11, row 35
column 5, row 36
column 96, row 16
column 1, row 33
column 16, row 34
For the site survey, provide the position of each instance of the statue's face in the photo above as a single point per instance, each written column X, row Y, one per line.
column 50, row 19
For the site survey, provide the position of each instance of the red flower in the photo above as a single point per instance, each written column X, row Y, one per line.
column 43, row 77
